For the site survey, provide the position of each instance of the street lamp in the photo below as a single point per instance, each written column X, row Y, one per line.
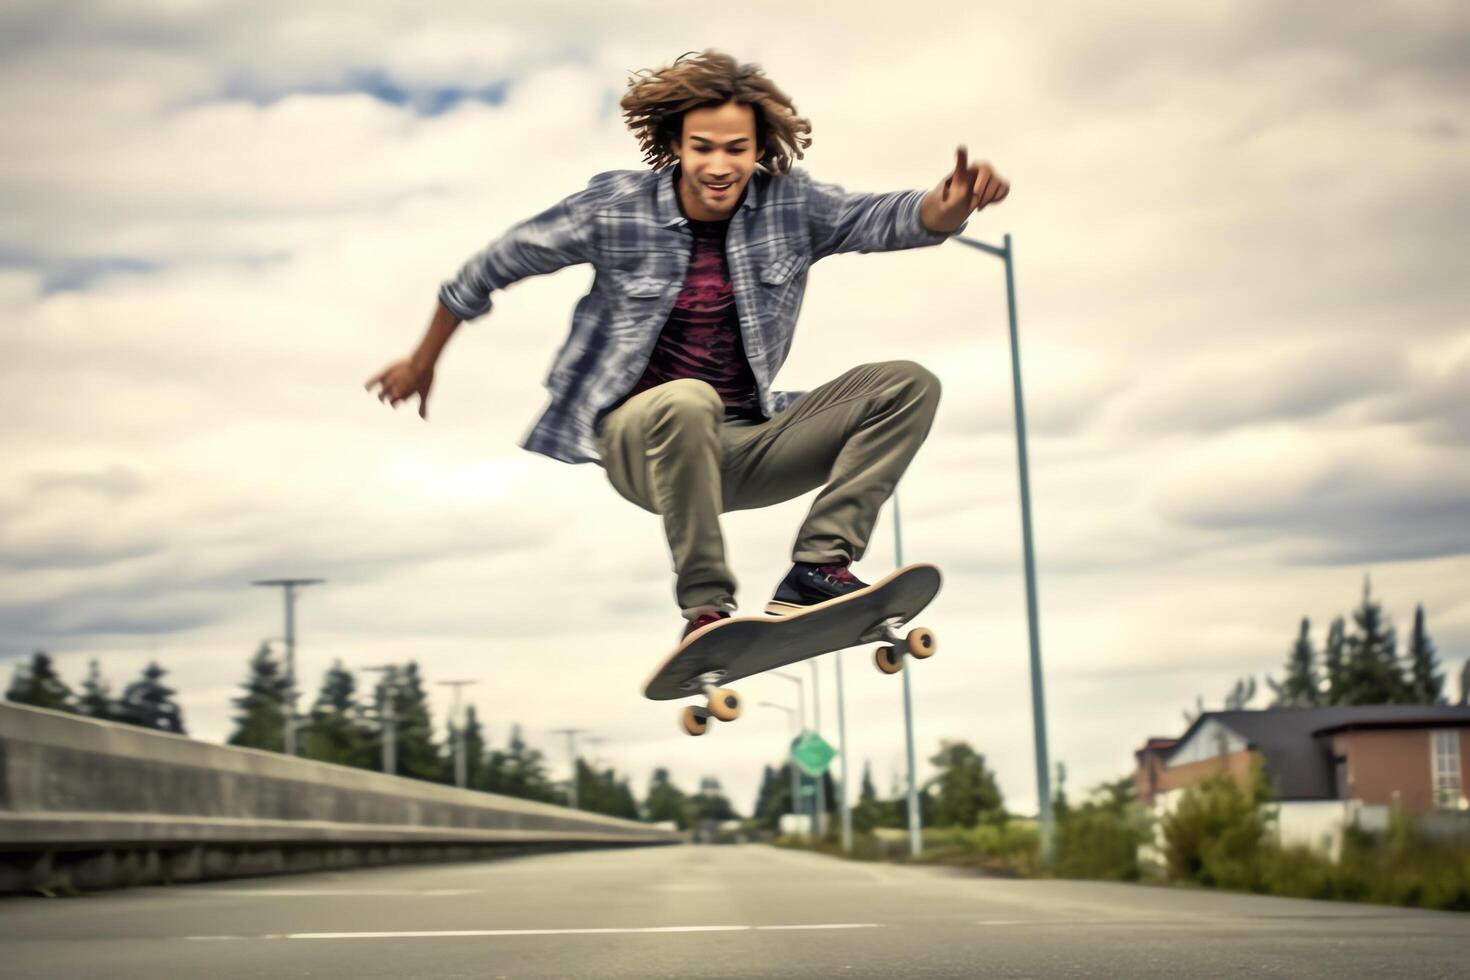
column 801, row 707
column 387, row 717
column 791, row 763
column 290, row 585
column 1038, row 696
column 571, row 734
column 456, row 724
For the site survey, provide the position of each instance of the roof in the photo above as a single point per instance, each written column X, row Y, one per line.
column 1300, row 761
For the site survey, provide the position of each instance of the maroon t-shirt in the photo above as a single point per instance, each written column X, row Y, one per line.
column 702, row 336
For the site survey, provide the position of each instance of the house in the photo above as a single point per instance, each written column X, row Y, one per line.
column 1327, row 767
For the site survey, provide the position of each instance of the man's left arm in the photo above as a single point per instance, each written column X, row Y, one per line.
column 841, row 221
column 967, row 189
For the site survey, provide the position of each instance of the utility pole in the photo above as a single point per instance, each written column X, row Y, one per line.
column 456, row 725
column 290, row 585
column 388, row 718
column 571, row 734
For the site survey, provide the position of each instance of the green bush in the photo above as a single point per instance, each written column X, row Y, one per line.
column 1217, row 834
column 1099, row 842
column 1012, row 847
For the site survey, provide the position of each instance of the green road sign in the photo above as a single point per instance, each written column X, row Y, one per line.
column 812, row 754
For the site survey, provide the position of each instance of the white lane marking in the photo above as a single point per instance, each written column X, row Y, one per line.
column 462, row 933
column 844, row 925
column 335, row 892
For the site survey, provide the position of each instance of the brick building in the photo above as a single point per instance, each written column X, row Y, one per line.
column 1326, row 766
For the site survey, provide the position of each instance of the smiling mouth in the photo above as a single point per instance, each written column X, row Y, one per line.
column 720, row 187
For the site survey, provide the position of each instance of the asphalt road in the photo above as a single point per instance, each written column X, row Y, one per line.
column 685, row 912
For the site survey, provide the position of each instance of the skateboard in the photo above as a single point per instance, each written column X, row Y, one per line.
column 740, row 646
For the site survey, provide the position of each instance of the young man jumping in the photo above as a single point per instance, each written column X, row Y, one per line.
column 701, row 262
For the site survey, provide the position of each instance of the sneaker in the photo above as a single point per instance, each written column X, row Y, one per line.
column 703, row 620
column 809, row 585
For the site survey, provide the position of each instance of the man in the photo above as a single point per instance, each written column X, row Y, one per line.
column 701, row 261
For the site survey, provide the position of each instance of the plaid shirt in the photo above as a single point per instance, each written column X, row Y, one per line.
column 628, row 225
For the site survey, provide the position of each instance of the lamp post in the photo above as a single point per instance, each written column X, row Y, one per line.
column 461, row 764
column 1038, row 695
column 388, row 718
column 290, row 585
column 916, row 837
column 801, row 708
column 571, row 734
column 795, row 732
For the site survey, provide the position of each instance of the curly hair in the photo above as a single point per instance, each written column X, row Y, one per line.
column 656, row 102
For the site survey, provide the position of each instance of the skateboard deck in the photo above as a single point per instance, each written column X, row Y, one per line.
column 741, row 646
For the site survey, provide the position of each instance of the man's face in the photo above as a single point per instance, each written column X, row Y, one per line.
column 717, row 155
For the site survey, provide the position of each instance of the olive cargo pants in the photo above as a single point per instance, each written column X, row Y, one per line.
column 669, row 451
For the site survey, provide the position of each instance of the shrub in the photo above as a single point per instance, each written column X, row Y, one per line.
column 1217, row 833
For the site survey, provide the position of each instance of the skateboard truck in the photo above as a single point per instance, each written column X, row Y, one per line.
column 723, row 704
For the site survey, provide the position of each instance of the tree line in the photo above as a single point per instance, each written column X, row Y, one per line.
column 147, row 702
column 1360, row 665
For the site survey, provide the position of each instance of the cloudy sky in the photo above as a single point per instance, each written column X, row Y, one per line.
column 1240, row 266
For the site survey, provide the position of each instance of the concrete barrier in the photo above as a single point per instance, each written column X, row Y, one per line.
column 89, row 804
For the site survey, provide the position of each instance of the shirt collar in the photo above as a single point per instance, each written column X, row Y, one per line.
column 666, row 197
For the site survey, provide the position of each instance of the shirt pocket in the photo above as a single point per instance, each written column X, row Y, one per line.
column 782, row 282
column 781, row 268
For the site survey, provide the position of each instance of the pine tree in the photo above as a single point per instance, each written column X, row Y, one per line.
column 335, row 732
column 149, row 703
column 1334, row 663
column 96, row 698
column 665, row 801
column 965, row 791
column 1372, row 670
column 38, row 685
column 262, row 719
column 1300, row 688
column 417, row 755
column 1426, row 683
column 474, row 749
column 867, row 814
column 520, row 771
column 710, row 802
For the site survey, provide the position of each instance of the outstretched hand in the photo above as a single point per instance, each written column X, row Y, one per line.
column 967, row 189
column 398, row 381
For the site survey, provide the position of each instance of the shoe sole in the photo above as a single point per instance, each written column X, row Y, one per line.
column 777, row 608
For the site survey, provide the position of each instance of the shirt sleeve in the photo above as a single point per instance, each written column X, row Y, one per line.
column 842, row 221
column 557, row 237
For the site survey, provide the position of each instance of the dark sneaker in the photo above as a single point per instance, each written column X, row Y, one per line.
column 809, row 585
column 703, row 620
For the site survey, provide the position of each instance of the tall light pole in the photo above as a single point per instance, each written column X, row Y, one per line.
column 571, row 734
column 801, row 708
column 916, row 837
column 456, row 723
column 821, row 780
column 388, row 718
column 290, row 585
column 1038, row 694
column 842, row 804
column 795, row 733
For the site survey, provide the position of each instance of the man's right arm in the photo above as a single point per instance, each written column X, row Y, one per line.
column 557, row 237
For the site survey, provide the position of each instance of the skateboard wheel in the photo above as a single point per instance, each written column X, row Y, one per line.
column 725, row 704
column 694, row 721
column 922, row 643
column 888, row 659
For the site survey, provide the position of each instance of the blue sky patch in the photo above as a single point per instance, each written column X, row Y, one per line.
column 422, row 100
